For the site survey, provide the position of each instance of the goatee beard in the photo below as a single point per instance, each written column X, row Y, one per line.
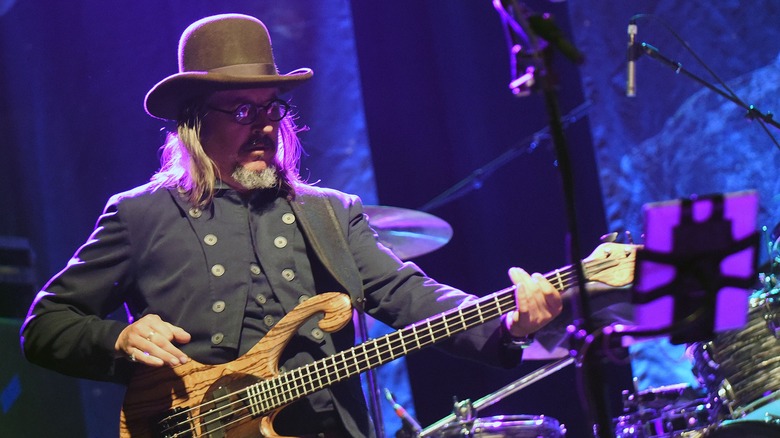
column 252, row 180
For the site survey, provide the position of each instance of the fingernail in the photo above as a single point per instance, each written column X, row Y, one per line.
column 184, row 359
column 175, row 361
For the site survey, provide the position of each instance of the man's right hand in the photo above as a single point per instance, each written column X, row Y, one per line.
column 149, row 340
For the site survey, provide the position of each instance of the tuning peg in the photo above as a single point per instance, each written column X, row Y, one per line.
column 609, row 238
column 629, row 237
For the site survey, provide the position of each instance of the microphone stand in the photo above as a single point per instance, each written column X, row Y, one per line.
column 476, row 179
column 752, row 112
column 372, row 386
column 542, row 27
column 591, row 373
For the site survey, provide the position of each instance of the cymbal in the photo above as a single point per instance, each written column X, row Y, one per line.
column 408, row 233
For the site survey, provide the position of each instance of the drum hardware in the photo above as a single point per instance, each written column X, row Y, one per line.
column 769, row 281
column 463, row 413
column 741, row 368
column 737, row 411
column 657, row 398
column 464, row 417
column 771, row 314
column 772, row 418
column 669, row 411
column 505, row 426
column 744, row 429
column 689, row 422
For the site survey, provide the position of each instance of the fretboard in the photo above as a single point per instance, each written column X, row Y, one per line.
column 268, row 395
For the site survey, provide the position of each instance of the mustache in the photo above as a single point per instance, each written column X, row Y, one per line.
column 258, row 142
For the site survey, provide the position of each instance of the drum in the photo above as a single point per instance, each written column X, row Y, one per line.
column 745, row 429
column 512, row 426
column 673, row 411
column 741, row 368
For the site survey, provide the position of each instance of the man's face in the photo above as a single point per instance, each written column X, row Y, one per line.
column 232, row 145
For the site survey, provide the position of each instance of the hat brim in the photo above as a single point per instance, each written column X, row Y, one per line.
column 167, row 99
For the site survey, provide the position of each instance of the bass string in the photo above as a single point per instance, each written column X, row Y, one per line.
column 438, row 330
column 278, row 392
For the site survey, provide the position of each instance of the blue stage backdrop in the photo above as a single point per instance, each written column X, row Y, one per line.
column 676, row 137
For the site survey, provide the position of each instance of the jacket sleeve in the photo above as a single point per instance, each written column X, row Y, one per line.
column 400, row 293
column 67, row 329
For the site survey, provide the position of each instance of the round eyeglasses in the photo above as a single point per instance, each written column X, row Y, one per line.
column 247, row 113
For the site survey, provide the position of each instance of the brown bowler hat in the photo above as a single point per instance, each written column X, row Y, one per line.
column 220, row 52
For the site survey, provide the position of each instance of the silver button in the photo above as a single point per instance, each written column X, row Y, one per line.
column 217, row 270
column 217, row 338
column 195, row 212
column 254, row 269
column 280, row 242
column 218, row 306
column 268, row 320
column 260, row 299
column 288, row 218
column 317, row 334
column 303, row 298
column 210, row 239
column 288, row 274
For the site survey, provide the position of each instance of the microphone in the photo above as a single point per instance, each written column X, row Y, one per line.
column 632, row 55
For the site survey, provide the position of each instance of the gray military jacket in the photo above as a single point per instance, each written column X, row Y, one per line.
column 151, row 252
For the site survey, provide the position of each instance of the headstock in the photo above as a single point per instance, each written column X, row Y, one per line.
column 611, row 263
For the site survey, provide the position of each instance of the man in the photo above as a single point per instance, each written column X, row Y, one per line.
column 226, row 239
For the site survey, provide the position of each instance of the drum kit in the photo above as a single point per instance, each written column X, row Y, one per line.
column 739, row 393
column 738, row 370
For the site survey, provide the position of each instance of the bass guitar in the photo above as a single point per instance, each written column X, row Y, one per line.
column 242, row 397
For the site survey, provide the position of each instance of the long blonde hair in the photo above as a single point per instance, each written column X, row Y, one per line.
column 184, row 164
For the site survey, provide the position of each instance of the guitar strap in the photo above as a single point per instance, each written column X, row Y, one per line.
column 318, row 219
column 327, row 239
column 363, row 329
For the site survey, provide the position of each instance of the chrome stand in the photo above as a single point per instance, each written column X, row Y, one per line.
column 499, row 395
